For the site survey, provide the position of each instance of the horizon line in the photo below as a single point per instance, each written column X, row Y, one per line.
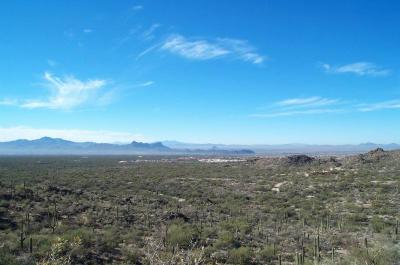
column 197, row 143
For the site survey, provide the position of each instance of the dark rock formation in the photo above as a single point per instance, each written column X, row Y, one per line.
column 299, row 160
column 174, row 215
column 373, row 156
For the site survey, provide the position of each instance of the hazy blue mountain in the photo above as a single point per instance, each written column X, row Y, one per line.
column 56, row 146
column 288, row 148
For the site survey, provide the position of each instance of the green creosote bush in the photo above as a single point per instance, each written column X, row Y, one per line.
column 225, row 239
column 132, row 255
column 6, row 258
column 61, row 251
column 240, row 225
column 181, row 235
column 380, row 254
column 242, row 255
column 378, row 224
column 267, row 253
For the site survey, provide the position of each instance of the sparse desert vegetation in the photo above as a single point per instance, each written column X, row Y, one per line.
column 287, row 210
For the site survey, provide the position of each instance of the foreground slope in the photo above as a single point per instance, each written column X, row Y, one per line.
column 164, row 210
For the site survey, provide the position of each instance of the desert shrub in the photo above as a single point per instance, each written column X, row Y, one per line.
column 42, row 244
column 132, row 255
column 209, row 232
column 133, row 235
column 225, row 239
column 380, row 254
column 109, row 239
column 355, row 220
column 377, row 224
column 84, row 234
column 267, row 253
column 9, row 241
column 60, row 253
column 240, row 255
column 79, row 252
column 240, row 226
column 181, row 235
column 6, row 258
column 5, row 204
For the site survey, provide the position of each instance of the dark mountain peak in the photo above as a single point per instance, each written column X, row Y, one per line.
column 155, row 145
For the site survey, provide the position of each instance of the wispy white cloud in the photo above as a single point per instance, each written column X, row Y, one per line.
column 301, row 106
column 148, row 34
column 87, row 31
column 203, row 49
column 307, row 102
column 390, row 104
column 138, row 33
column 67, row 92
column 295, row 112
column 358, row 68
column 145, row 84
column 252, row 57
column 242, row 50
column 137, row 7
column 78, row 135
column 146, row 51
column 198, row 49
column 320, row 105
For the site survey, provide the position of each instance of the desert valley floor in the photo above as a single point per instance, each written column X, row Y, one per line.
column 188, row 210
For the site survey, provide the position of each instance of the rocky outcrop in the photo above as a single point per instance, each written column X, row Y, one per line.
column 373, row 156
column 174, row 215
column 299, row 160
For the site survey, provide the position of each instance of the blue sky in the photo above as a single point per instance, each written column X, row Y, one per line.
column 266, row 72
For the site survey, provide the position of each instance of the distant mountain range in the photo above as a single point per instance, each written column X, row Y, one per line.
column 288, row 148
column 56, row 146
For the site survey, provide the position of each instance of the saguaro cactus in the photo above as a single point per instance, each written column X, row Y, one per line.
column 316, row 248
column 28, row 220
column 53, row 220
column 22, row 236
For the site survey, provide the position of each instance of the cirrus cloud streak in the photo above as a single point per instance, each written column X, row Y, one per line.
column 206, row 49
column 320, row 105
column 358, row 68
column 302, row 106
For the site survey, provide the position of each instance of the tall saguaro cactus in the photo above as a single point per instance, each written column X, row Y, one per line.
column 22, row 236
